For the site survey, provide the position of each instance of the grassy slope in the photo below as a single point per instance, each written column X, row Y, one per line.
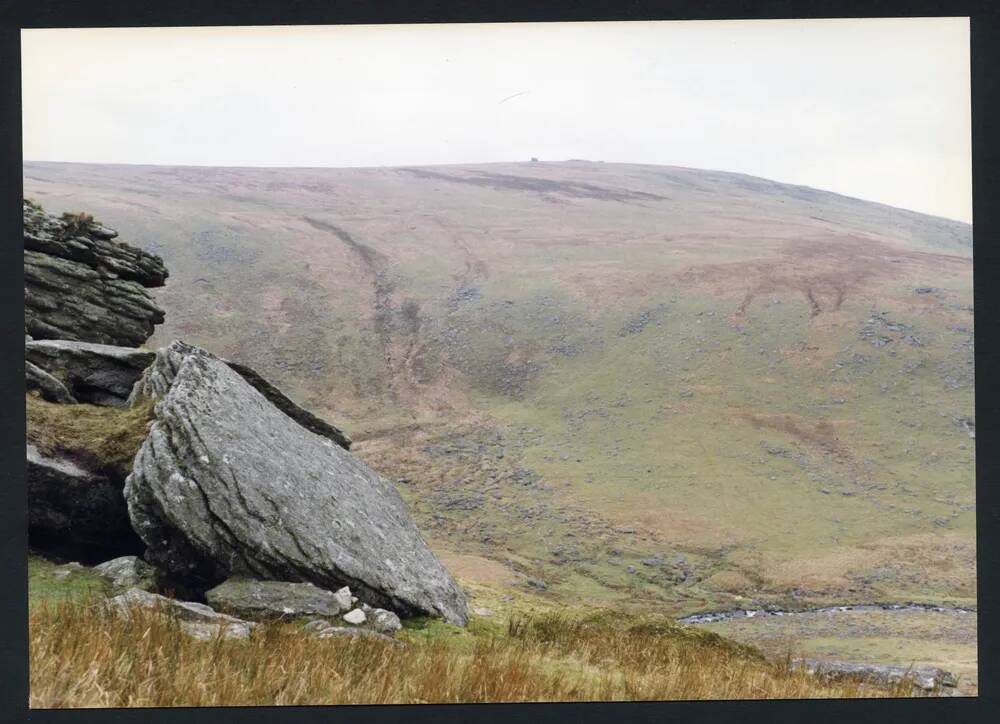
column 84, row 656
column 589, row 365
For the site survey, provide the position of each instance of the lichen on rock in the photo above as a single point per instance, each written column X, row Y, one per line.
column 227, row 484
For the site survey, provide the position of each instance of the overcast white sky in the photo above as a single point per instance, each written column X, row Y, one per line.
column 878, row 109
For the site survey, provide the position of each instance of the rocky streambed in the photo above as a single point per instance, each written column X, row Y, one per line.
column 932, row 646
column 716, row 616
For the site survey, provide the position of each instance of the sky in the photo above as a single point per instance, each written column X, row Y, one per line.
column 877, row 109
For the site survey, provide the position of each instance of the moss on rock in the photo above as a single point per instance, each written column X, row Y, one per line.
column 104, row 439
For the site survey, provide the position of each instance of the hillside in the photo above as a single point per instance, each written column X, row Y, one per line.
column 658, row 387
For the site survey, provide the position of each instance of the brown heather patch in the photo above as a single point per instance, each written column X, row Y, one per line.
column 824, row 434
column 475, row 569
column 84, row 656
column 940, row 561
column 601, row 286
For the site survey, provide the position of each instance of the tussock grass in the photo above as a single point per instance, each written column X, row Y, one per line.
column 108, row 437
column 84, row 656
column 75, row 224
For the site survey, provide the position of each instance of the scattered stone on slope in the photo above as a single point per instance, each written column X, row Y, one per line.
column 51, row 389
column 196, row 619
column 926, row 678
column 100, row 374
column 274, row 599
column 227, row 484
column 127, row 572
column 382, row 622
column 75, row 508
column 209, row 631
column 81, row 284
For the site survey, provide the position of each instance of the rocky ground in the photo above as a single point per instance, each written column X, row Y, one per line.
column 229, row 491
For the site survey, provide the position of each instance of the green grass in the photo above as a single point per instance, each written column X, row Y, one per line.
column 79, row 585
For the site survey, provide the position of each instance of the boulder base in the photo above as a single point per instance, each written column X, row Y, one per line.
column 74, row 509
column 274, row 599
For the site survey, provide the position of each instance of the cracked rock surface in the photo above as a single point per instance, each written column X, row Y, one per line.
column 227, row 484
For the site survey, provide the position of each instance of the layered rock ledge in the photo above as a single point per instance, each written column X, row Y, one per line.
column 81, row 284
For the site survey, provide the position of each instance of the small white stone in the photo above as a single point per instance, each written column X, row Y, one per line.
column 344, row 599
column 482, row 612
column 356, row 617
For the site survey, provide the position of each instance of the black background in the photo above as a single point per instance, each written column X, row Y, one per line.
column 985, row 28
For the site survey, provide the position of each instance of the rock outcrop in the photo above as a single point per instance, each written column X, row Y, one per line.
column 227, row 484
column 100, row 374
column 302, row 416
column 81, row 284
column 229, row 478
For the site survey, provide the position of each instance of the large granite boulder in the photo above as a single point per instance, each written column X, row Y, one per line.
column 227, row 484
column 82, row 284
column 100, row 374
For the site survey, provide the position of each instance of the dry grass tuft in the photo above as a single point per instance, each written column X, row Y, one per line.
column 83, row 656
column 75, row 224
column 106, row 437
